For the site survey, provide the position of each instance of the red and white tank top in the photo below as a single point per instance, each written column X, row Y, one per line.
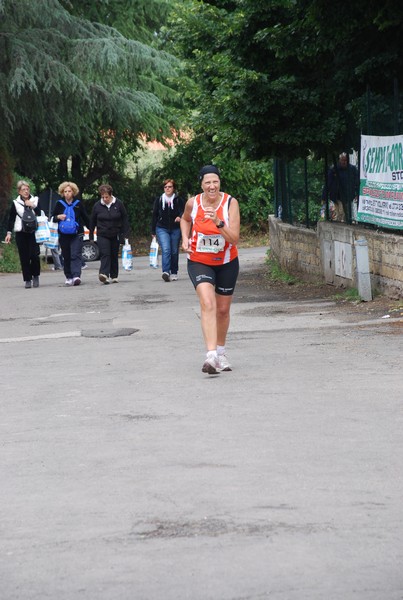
column 207, row 244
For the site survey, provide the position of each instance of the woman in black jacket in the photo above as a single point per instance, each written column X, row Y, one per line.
column 167, row 213
column 110, row 219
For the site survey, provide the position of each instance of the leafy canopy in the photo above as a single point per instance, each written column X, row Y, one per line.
column 68, row 84
column 286, row 77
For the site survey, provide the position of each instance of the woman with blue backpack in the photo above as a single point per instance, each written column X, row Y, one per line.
column 69, row 211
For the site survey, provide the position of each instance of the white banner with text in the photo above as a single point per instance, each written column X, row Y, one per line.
column 381, row 181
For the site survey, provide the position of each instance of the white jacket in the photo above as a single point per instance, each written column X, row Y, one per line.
column 19, row 207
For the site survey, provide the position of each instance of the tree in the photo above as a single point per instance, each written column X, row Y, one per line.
column 135, row 19
column 69, row 86
column 284, row 78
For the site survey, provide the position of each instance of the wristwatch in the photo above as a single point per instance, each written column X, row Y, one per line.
column 220, row 224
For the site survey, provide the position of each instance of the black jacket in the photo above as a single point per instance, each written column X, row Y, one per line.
column 111, row 221
column 165, row 217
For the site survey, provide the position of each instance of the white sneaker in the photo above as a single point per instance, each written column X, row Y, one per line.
column 174, row 277
column 103, row 278
column 223, row 363
column 115, row 280
column 68, row 282
column 210, row 365
column 165, row 276
column 76, row 281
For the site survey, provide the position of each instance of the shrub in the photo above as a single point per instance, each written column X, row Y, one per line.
column 9, row 259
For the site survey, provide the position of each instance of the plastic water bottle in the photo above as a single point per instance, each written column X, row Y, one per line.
column 154, row 254
column 127, row 256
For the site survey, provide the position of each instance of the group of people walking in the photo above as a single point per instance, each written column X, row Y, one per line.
column 208, row 224
column 109, row 218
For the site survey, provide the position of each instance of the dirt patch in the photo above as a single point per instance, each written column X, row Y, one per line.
column 256, row 286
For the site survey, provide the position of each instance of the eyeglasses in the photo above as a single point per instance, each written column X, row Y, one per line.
column 168, row 186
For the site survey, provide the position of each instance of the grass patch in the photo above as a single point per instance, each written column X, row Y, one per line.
column 350, row 295
column 276, row 273
column 9, row 259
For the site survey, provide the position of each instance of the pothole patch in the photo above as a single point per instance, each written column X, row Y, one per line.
column 108, row 333
column 147, row 300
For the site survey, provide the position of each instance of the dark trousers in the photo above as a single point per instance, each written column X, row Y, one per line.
column 71, row 247
column 28, row 251
column 109, row 255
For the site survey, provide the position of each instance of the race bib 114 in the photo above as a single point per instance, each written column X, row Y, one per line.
column 210, row 243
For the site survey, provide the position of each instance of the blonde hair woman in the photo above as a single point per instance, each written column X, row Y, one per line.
column 71, row 243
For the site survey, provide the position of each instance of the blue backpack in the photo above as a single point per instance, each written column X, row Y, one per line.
column 69, row 225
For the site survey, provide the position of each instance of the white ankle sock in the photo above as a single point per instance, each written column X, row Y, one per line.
column 220, row 350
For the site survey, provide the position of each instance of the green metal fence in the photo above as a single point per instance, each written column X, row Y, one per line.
column 302, row 192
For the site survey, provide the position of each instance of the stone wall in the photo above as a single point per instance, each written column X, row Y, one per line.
column 329, row 254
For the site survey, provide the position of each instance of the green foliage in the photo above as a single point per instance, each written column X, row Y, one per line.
column 250, row 182
column 16, row 178
column 300, row 189
column 350, row 295
column 272, row 78
column 135, row 19
column 275, row 272
column 9, row 260
column 75, row 95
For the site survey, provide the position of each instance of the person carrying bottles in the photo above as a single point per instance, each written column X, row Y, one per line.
column 165, row 225
column 109, row 217
column 28, row 248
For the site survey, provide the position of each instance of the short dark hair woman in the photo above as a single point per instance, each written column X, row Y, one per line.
column 109, row 217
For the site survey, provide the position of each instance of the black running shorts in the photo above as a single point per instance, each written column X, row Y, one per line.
column 222, row 277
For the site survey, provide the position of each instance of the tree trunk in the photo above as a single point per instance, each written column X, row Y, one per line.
column 6, row 181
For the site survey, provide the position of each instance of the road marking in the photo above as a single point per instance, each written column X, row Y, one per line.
column 45, row 336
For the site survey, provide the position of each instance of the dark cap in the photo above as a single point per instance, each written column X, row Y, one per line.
column 208, row 169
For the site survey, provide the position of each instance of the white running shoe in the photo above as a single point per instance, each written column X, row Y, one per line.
column 174, row 277
column 76, row 281
column 223, row 363
column 165, row 276
column 103, row 278
column 68, row 282
column 210, row 365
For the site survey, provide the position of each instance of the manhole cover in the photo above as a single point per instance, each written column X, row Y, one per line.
column 108, row 333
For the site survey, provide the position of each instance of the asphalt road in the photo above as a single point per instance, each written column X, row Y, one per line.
column 128, row 474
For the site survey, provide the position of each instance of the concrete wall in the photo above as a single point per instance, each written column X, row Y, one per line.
column 329, row 254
